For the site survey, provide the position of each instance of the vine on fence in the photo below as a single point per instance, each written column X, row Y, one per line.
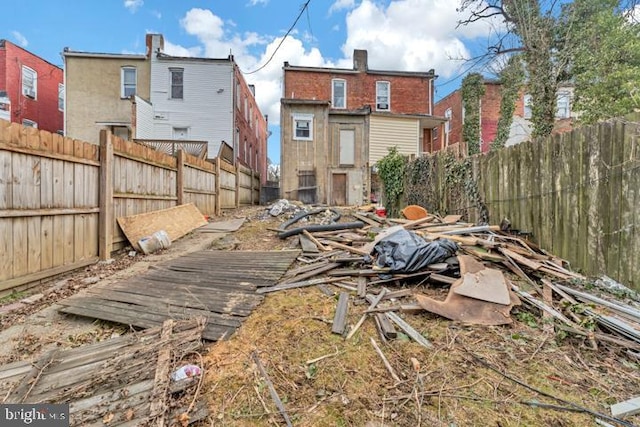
column 391, row 170
column 421, row 184
column 512, row 78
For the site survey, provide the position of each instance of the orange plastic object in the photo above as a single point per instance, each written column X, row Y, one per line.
column 414, row 212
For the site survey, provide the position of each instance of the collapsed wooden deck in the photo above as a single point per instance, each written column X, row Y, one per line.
column 218, row 285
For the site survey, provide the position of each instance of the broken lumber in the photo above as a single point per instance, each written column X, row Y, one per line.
column 385, row 361
column 374, row 301
column 415, row 335
column 272, row 390
column 293, row 285
column 340, row 317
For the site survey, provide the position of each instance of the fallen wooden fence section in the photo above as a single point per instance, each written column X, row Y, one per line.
column 219, row 285
column 113, row 382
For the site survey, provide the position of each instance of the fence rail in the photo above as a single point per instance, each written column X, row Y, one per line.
column 60, row 197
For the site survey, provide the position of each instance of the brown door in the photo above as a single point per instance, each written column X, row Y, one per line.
column 339, row 189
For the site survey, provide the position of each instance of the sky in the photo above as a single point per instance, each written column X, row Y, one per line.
column 406, row 35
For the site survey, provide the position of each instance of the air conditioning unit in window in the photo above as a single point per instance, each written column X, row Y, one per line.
column 382, row 106
column 31, row 93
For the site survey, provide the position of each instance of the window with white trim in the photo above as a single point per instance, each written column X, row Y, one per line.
column 303, row 127
column 129, row 79
column 383, row 96
column 339, row 93
column 527, row 106
column 60, row 97
column 29, row 82
column 29, row 123
column 447, row 125
column 563, row 104
column 177, row 83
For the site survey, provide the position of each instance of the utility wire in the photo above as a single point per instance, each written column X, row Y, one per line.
column 304, row 7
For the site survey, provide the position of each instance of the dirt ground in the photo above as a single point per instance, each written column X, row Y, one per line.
column 524, row 374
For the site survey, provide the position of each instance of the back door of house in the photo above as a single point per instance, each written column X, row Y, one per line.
column 339, row 189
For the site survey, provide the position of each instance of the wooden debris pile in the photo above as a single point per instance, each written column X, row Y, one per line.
column 121, row 381
column 491, row 272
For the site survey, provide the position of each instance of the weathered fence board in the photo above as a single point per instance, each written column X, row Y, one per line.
column 577, row 192
column 58, row 204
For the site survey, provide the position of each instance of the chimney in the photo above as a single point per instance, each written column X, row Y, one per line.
column 155, row 44
column 360, row 60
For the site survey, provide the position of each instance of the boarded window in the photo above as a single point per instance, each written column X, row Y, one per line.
column 347, row 147
column 307, row 186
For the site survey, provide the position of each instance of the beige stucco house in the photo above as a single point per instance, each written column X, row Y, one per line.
column 99, row 89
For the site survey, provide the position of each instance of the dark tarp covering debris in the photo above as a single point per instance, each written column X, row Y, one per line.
column 406, row 252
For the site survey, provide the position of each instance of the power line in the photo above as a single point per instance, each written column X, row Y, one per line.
column 304, row 7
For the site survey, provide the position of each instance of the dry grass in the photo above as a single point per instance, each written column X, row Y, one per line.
column 445, row 385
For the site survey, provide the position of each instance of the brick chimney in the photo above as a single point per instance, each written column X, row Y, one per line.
column 360, row 60
column 155, row 44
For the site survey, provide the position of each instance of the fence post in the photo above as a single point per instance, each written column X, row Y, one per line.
column 180, row 178
column 218, row 195
column 105, row 221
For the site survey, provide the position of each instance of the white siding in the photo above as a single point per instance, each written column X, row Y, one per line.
column 386, row 132
column 144, row 119
column 207, row 105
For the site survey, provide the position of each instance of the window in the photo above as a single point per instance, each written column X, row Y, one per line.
column 527, row 106
column 29, row 123
column 129, row 80
column 339, row 93
column 177, row 83
column 563, row 110
column 447, row 125
column 29, row 82
column 238, row 104
column 60, row 97
column 246, row 109
column 251, row 116
column 382, row 96
column 121, row 132
column 303, row 127
column 180, row 133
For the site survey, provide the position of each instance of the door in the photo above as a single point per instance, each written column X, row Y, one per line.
column 339, row 189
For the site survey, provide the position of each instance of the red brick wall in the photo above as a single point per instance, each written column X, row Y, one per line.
column 409, row 94
column 453, row 101
column 43, row 110
column 253, row 154
column 490, row 105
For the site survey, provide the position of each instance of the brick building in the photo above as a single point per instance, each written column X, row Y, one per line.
column 451, row 107
column 31, row 89
column 337, row 123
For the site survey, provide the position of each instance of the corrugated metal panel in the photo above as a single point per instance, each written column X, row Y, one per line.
column 206, row 108
column 386, row 132
column 144, row 119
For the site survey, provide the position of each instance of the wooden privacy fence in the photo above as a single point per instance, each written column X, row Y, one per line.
column 60, row 197
column 577, row 192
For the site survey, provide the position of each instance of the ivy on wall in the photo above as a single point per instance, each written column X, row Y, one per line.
column 512, row 78
column 391, row 170
column 472, row 91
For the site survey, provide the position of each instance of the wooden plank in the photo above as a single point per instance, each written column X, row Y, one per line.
column 386, row 327
column 307, row 244
column 34, row 244
column 58, row 240
column 22, row 279
column 415, row 335
column 6, row 249
column 6, row 180
column 44, row 154
column 627, row 408
column 20, row 247
column 340, row 317
column 21, row 391
column 176, row 221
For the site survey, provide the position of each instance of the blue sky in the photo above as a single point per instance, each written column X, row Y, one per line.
column 410, row 35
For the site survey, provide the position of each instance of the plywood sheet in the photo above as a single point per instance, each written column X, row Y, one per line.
column 176, row 221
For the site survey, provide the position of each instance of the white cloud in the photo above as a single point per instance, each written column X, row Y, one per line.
column 633, row 15
column 341, row 5
column 411, row 35
column 133, row 5
column 257, row 2
column 22, row 40
column 157, row 14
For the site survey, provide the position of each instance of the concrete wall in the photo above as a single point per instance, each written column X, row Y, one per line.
column 93, row 84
